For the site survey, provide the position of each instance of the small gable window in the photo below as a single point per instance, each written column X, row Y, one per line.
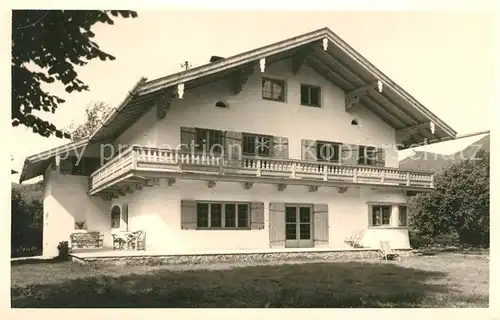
column 222, row 104
column 273, row 89
column 354, row 122
column 310, row 95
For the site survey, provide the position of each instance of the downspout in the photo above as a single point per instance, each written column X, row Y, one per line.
column 122, row 105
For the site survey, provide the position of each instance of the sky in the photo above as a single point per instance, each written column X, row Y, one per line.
column 443, row 59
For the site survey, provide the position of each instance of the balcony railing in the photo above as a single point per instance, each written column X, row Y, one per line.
column 136, row 159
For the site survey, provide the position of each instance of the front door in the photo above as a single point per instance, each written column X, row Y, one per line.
column 298, row 226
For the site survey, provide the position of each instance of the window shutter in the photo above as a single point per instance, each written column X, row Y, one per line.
column 309, row 150
column 233, row 147
column 370, row 216
column 257, row 215
column 349, row 154
column 321, row 226
column 188, row 214
column 125, row 215
column 66, row 165
column 277, row 225
column 380, row 157
column 188, row 138
column 280, row 147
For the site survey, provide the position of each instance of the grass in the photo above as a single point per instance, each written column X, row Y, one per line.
column 442, row 280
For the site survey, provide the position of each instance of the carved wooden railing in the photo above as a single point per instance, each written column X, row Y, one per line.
column 165, row 160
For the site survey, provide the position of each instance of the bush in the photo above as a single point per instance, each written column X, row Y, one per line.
column 419, row 240
column 63, row 249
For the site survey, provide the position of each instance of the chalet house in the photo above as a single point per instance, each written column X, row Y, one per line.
column 289, row 147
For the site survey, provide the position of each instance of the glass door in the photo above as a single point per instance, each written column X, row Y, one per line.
column 298, row 226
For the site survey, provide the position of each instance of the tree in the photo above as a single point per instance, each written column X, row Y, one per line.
column 26, row 224
column 460, row 203
column 54, row 41
column 94, row 116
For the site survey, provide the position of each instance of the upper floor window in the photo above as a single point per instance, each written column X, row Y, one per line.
column 209, row 140
column 273, row 89
column 381, row 215
column 222, row 215
column 367, row 156
column 327, row 151
column 310, row 95
column 256, row 145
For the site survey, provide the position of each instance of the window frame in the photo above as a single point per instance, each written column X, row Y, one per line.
column 330, row 143
column 364, row 158
column 207, row 138
column 255, row 137
column 112, row 218
column 273, row 81
column 374, row 212
column 309, row 95
column 405, row 225
column 223, row 204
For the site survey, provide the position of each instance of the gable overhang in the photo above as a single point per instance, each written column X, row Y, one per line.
column 337, row 62
column 35, row 165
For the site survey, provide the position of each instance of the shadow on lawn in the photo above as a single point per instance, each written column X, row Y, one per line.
column 346, row 285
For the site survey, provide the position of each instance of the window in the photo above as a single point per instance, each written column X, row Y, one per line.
column 222, row 215
column 115, row 217
column 209, row 140
column 367, row 156
column 327, row 151
column 403, row 216
column 381, row 215
column 273, row 89
column 256, row 145
column 310, row 95
column 222, row 104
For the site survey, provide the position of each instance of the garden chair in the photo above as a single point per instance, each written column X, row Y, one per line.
column 118, row 242
column 137, row 241
column 388, row 253
column 355, row 239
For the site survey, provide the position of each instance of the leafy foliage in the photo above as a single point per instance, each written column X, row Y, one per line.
column 94, row 116
column 460, row 203
column 55, row 41
column 26, row 224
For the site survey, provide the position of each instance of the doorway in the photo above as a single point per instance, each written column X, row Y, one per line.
column 298, row 226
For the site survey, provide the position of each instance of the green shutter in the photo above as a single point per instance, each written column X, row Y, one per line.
column 280, row 147
column 380, row 157
column 370, row 216
column 188, row 214
column 321, row 227
column 257, row 215
column 309, row 150
column 349, row 154
column 277, row 225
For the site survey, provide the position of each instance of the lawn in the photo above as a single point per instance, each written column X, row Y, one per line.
column 442, row 280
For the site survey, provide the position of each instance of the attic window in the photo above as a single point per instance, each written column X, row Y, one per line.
column 354, row 122
column 222, row 104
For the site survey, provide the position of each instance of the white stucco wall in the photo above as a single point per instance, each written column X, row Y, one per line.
column 248, row 112
column 156, row 210
column 66, row 200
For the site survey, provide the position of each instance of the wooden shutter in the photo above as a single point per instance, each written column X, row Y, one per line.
column 370, row 216
column 380, row 157
column 188, row 214
column 321, row 227
column 233, row 146
column 277, row 225
column 311, row 146
column 280, row 147
column 349, row 155
column 188, row 138
column 125, row 216
column 257, row 215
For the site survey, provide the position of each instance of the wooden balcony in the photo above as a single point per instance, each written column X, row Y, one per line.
column 140, row 165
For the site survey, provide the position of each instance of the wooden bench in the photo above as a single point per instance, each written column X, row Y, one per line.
column 86, row 240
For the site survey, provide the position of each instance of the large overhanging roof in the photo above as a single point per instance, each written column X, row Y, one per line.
column 321, row 50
